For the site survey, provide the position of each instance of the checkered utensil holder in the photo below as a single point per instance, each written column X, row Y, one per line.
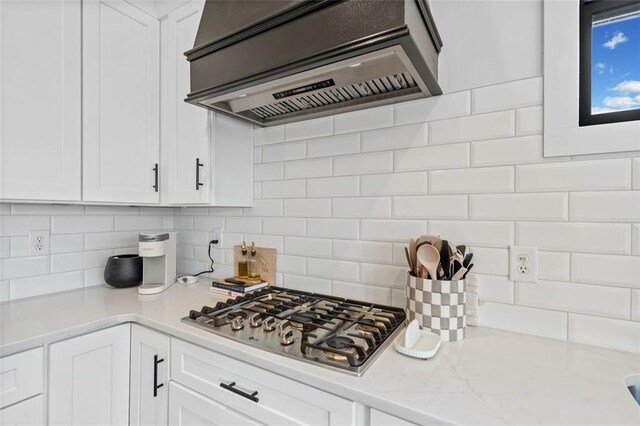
column 440, row 306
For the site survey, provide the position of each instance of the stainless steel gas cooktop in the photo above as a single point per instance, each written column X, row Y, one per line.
column 338, row 333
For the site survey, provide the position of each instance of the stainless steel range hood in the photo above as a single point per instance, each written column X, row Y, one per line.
column 280, row 61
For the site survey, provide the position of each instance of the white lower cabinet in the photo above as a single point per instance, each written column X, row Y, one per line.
column 256, row 393
column 379, row 418
column 189, row 408
column 149, row 377
column 25, row 413
column 89, row 378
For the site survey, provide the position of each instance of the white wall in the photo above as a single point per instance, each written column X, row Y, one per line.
column 338, row 197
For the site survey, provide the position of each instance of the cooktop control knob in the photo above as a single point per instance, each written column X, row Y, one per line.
column 269, row 324
column 255, row 320
column 287, row 338
column 237, row 323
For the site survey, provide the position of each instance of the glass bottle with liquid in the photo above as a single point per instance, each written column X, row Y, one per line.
column 243, row 269
column 252, row 264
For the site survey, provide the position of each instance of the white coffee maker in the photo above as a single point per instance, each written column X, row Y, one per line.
column 158, row 252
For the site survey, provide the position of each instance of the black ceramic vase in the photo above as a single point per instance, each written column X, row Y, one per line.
column 123, row 271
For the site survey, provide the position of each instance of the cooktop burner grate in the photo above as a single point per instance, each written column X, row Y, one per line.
column 340, row 333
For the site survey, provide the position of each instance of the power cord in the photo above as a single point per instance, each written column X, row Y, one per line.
column 211, row 243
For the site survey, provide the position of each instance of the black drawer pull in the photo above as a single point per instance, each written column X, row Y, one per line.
column 155, row 171
column 156, row 386
column 230, row 387
column 198, row 165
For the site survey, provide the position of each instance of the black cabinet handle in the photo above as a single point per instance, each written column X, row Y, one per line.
column 156, row 386
column 198, row 165
column 230, row 387
column 155, row 171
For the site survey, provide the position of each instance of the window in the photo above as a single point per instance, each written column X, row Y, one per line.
column 609, row 61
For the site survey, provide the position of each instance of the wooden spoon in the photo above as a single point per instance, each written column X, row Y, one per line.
column 429, row 257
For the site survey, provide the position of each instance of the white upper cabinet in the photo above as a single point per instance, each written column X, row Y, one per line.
column 121, row 107
column 185, row 127
column 40, row 80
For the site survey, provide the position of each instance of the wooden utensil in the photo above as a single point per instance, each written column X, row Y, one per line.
column 429, row 257
column 414, row 256
column 406, row 252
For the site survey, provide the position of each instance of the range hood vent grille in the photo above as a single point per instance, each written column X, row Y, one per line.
column 337, row 95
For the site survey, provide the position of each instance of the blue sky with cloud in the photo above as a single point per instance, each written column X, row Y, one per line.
column 615, row 58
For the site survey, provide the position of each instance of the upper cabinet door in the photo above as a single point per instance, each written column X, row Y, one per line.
column 121, row 85
column 40, row 77
column 185, row 127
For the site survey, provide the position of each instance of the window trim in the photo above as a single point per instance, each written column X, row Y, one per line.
column 588, row 8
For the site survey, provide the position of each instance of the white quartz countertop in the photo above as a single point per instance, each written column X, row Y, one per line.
column 491, row 377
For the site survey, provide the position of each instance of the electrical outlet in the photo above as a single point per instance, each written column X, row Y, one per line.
column 217, row 234
column 38, row 243
column 523, row 264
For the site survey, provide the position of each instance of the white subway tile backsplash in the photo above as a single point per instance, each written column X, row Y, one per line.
column 284, row 189
column 472, row 128
column 366, row 251
column 378, row 207
column 580, row 237
column 268, row 171
column 257, row 190
column 284, row 226
column 391, row 230
column 515, row 94
column 291, row 264
column 183, row 222
column 78, row 224
column 394, row 184
column 23, row 267
column 635, row 305
column 137, row 223
column 111, row 210
column 577, row 298
column 334, row 145
column 554, row 266
column 432, row 157
column 440, row 107
column 385, row 275
column 517, row 150
column 35, row 286
column 605, row 332
column 284, row 152
column 622, row 271
column 268, row 135
column 364, row 292
column 265, row 207
column 362, row 164
column 412, row 136
column 320, row 247
column 45, row 209
column 333, row 228
column 304, row 283
column 257, row 155
column 348, row 186
column 207, row 223
column 636, row 173
column 92, row 277
column 492, row 261
column 19, row 246
column 5, row 209
column 66, row 243
column 475, row 233
column 5, row 247
column 356, row 121
column 635, row 231
column 195, row 238
column 4, row 291
column 611, row 206
column 529, row 121
column 272, row 241
column 243, row 224
column 431, row 207
column 493, row 288
column 317, row 167
column 521, row 319
column 553, row 206
column 107, row 240
column 307, row 207
column 469, row 181
column 333, row 269
column 308, row 129
column 21, row 225
column 78, row 261
column 574, row 176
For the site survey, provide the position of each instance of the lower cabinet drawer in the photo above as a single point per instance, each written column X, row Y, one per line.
column 379, row 418
column 25, row 413
column 257, row 393
column 189, row 408
column 20, row 376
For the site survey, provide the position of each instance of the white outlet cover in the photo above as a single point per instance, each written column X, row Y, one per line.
column 531, row 254
column 39, row 242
